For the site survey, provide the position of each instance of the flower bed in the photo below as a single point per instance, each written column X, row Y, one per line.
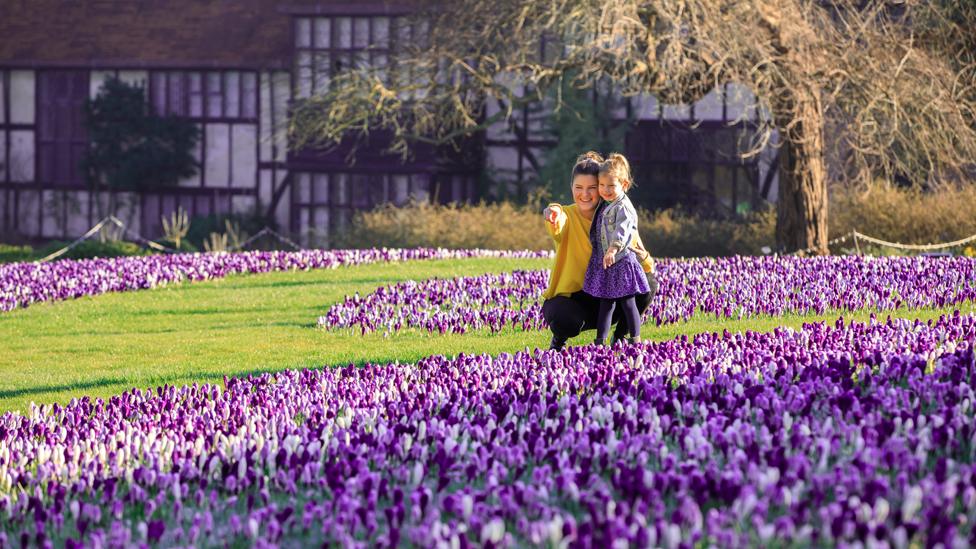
column 736, row 287
column 22, row 284
column 826, row 435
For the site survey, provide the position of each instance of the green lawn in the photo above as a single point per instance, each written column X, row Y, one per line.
column 200, row 332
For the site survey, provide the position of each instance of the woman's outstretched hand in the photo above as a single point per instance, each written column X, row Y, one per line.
column 552, row 213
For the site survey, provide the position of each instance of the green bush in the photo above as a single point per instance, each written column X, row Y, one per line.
column 499, row 226
column 882, row 211
column 10, row 253
column 671, row 233
column 504, row 226
column 907, row 216
column 185, row 246
column 92, row 248
column 202, row 226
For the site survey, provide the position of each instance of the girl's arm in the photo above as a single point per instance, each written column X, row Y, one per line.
column 624, row 227
column 623, row 230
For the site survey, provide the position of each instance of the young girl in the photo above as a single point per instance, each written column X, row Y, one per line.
column 614, row 275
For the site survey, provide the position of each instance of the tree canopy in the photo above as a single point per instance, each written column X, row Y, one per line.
column 134, row 148
column 890, row 82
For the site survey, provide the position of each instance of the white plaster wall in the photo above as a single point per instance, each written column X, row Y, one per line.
column 194, row 181
column 320, row 188
column 644, row 106
column 282, row 95
column 282, row 211
column 741, row 102
column 264, row 187
column 501, row 159
column 710, row 106
column 96, row 80
column 217, row 163
column 302, row 187
column 21, row 156
column 51, row 219
column 676, row 112
column 134, row 77
column 3, row 156
column 127, row 209
column 244, row 155
column 242, row 203
column 77, row 213
column 266, row 131
column 500, row 129
column 399, row 189
column 22, row 99
column 27, row 221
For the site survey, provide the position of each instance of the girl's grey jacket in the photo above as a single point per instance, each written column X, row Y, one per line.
column 618, row 227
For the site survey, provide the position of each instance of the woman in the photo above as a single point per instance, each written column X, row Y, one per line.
column 567, row 308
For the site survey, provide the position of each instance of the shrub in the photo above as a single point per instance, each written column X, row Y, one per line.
column 10, row 253
column 132, row 146
column 908, row 216
column 499, row 226
column 201, row 227
column 93, row 248
column 671, row 233
column 882, row 211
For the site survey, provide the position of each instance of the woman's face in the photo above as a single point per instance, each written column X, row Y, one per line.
column 585, row 193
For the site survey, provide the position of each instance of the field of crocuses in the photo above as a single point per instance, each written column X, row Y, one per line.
column 839, row 433
column 735, row 287
column 830, row 434
column 22, row 284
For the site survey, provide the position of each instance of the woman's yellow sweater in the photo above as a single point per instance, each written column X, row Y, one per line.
column 571, row 232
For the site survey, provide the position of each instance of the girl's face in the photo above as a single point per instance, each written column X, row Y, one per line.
column 585, row 193
column 610, row 187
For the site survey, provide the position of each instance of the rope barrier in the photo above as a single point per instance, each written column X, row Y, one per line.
column 257, row 235
column 838, row 240
column 857, row 237
column 282, row 238
column 97, row 227
column 139, row 238
column 134, row 236
column 270, row 232
column 919, row 247
column 111, row 219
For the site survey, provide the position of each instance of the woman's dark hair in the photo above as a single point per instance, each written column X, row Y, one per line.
column 587, row 163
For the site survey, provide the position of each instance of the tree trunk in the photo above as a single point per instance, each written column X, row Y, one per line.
column 801, row 214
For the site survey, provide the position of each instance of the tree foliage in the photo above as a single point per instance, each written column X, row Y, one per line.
column 132, row 147
column 584, row 121
column 886, row 77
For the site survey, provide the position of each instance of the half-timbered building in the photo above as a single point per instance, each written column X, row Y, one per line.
column 233, row 68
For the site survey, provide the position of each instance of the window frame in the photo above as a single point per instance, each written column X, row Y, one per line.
column 308, row 45
column 248, row 90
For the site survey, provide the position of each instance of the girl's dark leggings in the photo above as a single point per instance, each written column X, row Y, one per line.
column 570, row 315
column 605, row 316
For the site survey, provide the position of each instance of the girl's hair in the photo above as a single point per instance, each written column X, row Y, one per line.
column 587, row 163
column 616, row 166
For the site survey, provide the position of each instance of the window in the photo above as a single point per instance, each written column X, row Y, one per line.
column 678, row 164
column 4, row 127
column 205, row 95
column 323, row 203
column 61, row 136
column 325, row 46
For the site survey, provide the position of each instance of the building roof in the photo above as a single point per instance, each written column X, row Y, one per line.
column 156, row 33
